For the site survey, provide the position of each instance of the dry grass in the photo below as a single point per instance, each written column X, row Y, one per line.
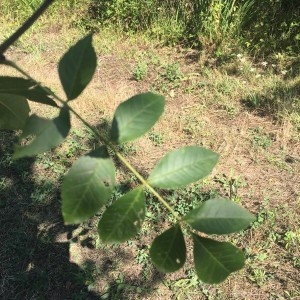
column 207, row 106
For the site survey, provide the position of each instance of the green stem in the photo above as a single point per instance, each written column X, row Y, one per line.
column 103, row 139
column 146, row 184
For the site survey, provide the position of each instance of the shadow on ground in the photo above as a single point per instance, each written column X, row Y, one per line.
column 35, row 252
column 34, row 265
column 275, row 101
column 293, row 69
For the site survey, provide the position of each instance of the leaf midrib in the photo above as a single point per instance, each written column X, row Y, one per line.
column 78, row 67
column 167, row 174
column 177, row 228
column 88, row 183
column 212, row 256
column 136, row 199
column 134, row 116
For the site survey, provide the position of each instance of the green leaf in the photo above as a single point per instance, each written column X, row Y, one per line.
column 26, row 88
column 124, row 218
column 47, row 134
column 14, row 111
column 77, row 67
column 183, row 166
column 87, row 186
column 214, row 260
column 219, row 216
column 136, row 116
column 168, row 251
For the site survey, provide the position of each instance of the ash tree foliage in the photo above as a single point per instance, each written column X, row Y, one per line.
column 90, row 182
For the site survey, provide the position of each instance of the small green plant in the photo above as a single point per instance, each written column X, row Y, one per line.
column 173, row 72
column 128, row 149
column 168, row 79
column 258, row 276
column 254, row 101
column 140, row 71
column 156, row 138
column 231, row 185
column 291, row 238
column 182, row 287
column 143, row 259
column 40, row 195
column 89, row 184
column 260, row 138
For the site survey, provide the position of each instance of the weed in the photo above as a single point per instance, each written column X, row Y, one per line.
column 266, row 217
column 262, row 256
column 231, row 109
column 155, row 211
column 51, row 163
column 260, row 138
column 140, row 71
column 120, row 289
column 188, row 198
column 191, row 125
column 143, row 259
column 128, row 149
column 156, row 138
column 292, row 238
column 172, row 72
column 185, row 287
column 231, row 185
column 168, row 79
column 254, row 100
column 98, row 243
column 279, row 100
column 116, row 290
column 224, row 87
column 258, row 276
column 42, row 195
column 80, row 141
column 218, row 26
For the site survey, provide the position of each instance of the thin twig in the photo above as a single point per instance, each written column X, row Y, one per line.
column 25, row 26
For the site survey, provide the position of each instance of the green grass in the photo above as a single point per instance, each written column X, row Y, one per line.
column 222, row 27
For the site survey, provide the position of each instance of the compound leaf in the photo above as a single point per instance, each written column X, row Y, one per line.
column 26, row 88
column 76, row 68
column 168, row 250
column 183, row 166
column 124, row 218
column 47, row 134
column 136, row 116
column 214, row 260
column 87, row 186
column 14, row 111
column 219, row 216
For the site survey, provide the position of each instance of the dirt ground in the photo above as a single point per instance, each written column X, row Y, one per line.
column 260, row 153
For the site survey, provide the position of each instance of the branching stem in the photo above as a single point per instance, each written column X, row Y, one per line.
column 103, row 139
